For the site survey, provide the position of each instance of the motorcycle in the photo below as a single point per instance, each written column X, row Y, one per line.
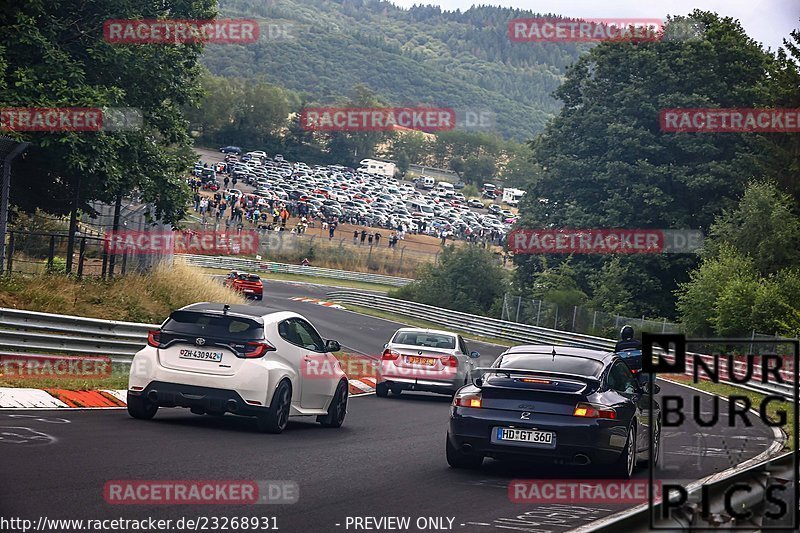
column 633, row 358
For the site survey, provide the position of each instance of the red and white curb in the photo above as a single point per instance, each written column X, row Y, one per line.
column 19, row 398
column 324, row 303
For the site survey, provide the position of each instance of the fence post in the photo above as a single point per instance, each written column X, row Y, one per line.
column 51, row 253
column 664, row 326
column 594, row 321
column 519, row 304
column 503, row 311
column 105, row 265
column 402, row 253
column 10, row 252
column 555, row 322
column 539, row 312
column 574, row 315
column 81, row 257
column 124, row 262
column 642, row 325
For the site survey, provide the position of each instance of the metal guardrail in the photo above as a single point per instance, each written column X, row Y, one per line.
column 28, row 331
column 252, row 265
column 502, row 329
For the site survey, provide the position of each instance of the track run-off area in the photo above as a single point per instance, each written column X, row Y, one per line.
column 387, row 460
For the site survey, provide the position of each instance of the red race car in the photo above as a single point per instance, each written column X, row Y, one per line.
column 248, row 284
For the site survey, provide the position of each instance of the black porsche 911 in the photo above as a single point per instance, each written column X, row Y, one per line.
column 558, row 404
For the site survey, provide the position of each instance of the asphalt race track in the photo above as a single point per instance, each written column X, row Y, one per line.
column 387, row 460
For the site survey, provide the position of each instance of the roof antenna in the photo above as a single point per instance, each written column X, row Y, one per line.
column 554, row 353
column 225, row 309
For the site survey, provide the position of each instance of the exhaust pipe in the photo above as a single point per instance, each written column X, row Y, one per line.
column 152, row 396
column 233, row 406
column 581, row 459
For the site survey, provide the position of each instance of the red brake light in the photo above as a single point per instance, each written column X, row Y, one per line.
column 389, row 355
column 450, row 360
column 154, row 339
column 587, row 410
column 468, row 400
column 254, row 350
column 535, row 380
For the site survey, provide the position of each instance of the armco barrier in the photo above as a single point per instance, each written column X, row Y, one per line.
column 252, row 265
column 502, row 329
column 31, row 332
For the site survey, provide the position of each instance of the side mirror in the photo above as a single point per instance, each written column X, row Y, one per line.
column 332, row 346
column 386, row 345
column 474, row 355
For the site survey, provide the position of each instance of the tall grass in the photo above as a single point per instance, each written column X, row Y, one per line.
column 146, row 297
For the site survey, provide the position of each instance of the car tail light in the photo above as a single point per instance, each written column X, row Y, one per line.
column 450, row 360
column 467, row 399
column 390, row 355
column 536, row 380
column 587, row 410
column 254, row 350
column 154, row 338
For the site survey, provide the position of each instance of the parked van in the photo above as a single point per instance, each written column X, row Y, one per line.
column 425, row 182
column 418, row 206
column 445, row 188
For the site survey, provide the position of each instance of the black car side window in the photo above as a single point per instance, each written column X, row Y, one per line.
column 621, row 379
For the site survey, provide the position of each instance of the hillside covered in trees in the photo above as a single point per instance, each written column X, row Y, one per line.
column 417, row 56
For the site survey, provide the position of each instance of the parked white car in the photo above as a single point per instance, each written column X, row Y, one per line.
column 217, row 358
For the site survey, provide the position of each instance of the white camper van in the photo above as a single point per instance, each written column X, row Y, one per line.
column 445, row 188
column 512, row 196
column 380, row 168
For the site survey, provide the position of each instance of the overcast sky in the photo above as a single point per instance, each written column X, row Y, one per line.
column 766, row 21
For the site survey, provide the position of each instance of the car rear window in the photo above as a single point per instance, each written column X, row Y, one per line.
column 567, row 364
column 428, row 340
column 212, row 325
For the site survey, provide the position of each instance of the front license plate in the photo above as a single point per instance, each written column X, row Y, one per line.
column 528, row 436
column 421, row 361
column 201, row 355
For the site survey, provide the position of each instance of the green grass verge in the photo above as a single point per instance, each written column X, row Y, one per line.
column 117, row 380
column 773, row 408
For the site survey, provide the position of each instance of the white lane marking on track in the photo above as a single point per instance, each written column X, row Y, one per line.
column 41, row 419
column 24, row 436
column 361, row 385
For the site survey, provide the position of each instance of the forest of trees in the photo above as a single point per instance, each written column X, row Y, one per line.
column 420, row 56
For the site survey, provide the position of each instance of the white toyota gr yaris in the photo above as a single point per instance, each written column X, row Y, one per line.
column 218, row 358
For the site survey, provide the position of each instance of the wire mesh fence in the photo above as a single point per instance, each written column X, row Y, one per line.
column 578, row 319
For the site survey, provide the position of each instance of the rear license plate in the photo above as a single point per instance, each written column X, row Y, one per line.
column 528, row 436
column 248, row 290
column 421, row 360
column 201, row 355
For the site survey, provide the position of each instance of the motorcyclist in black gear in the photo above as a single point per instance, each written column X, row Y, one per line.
column 627, row 341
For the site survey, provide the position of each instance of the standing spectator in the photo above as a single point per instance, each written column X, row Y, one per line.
column 355, row 236
column 331, row 229
column 377, row 238
column 363, row 236
column 369, row 238
column 196, row 202
column 226, row 181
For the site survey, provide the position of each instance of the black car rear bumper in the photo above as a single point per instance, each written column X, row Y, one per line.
column 207, row 399
column 578, row 441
